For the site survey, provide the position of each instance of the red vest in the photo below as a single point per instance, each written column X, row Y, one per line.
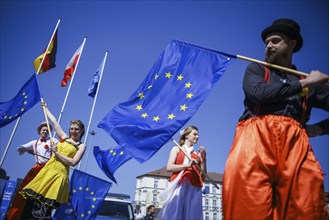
column 192, row 173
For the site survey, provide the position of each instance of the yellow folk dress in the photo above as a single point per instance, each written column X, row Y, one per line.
column 51, row 185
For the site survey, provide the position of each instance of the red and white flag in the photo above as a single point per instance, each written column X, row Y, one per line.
column 70, row 67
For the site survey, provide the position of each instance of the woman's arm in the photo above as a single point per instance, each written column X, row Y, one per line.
column 172, row 167
column 59, row 131
column 203, row 164
column 71, row 161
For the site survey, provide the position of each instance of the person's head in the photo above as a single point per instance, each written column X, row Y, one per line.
column 43, row 129
column 190, row 134
column 77, row 130
column 151, row 209
column 282, row 39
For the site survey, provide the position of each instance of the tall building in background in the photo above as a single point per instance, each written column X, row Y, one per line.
column 150, row 185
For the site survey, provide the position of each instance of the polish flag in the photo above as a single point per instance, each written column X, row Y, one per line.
column 70, row 67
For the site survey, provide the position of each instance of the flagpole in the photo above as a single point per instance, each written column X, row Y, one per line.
column 92, row 110
column 90, row 141
column 19, row 118
column 71, row 81
column 9, row 142
column 270, row 65
column 45, row 53
column 188, row 156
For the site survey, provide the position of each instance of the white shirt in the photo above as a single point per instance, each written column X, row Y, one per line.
column 40, row 148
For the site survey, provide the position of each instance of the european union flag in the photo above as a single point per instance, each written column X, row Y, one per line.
column 95, row 80
column 169, row 96
column 110, row 160
column 87, row 193
column 26, row 98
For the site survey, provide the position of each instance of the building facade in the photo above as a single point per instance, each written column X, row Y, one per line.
column 150, row 185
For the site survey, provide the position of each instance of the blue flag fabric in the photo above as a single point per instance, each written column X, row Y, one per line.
column 169, row 96
column 26, row 98
column 95, row 80
column 110, row 160
column 87, row 194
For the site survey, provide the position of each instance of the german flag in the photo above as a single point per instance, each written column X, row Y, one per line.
column 49, row 61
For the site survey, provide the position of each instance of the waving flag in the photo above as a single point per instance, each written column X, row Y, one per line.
column 94, row 82
column 26, row 98
column 171, row 93
column 49, row 61
column 87, row 193
column 70, row 67
column 110, row 160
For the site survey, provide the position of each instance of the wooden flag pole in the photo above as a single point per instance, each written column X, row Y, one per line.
column 272, row 65
column 188, row 156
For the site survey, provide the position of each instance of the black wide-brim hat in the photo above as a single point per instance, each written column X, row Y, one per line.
column 287, row 27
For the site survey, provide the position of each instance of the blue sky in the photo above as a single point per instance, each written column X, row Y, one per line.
column 135, row 33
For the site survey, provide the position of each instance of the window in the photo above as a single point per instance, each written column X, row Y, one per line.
column 206, row 202
column 214, row 203
column 156, row 183
column 215, row 217
column 213, row 189
column 206, row 216
column 155, row 195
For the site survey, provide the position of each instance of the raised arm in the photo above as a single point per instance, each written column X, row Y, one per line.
column 203, row 165
column 59, row 131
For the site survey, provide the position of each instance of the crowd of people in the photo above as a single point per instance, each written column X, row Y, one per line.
column 271, row 171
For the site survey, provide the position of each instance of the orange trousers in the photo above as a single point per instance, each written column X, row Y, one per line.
column 19, row 202
column 272, row 173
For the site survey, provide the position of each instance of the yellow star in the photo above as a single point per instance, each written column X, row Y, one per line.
column 114, row 153
column 71, row 210
column 25, row 102
column 82, row 215
column 188, row 85
column 23, row 93
column 87, row 189
column 139, row 107
column 5, row 117
column 93, row 206
column 156, row 118
column 25, row 97
column 141, row 95
column 74, row 191
column 92, row 193
column 156, row 76
column 122, row 152
column 183, row 107
column 149, row 87
column 80, row 188
column 180, row 77
column 111, row 151
column 171, row 116
column 10, row 117
column 94, row 199
column 89, row 212
column 189, row 95
column 144, row 115
column 168, row 75
column 22, row 109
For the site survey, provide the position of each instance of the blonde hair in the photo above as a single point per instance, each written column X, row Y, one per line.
column 185, row 132
column 81, row 126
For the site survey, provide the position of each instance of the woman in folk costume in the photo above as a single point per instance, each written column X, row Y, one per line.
column 183, row 197
column 50, row 188
column 41, row 149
